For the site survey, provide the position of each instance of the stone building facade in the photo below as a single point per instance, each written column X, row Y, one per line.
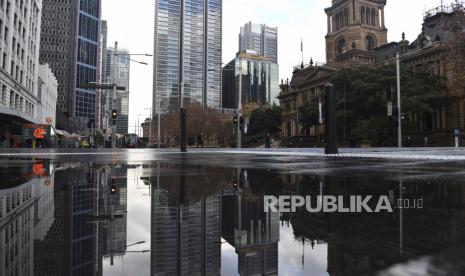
column 347, row 22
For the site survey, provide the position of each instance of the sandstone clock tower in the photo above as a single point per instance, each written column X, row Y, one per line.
column 355, row 29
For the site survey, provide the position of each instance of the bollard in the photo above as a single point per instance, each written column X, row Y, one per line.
column 330, row 120
column 183, row 130
column 457, row 137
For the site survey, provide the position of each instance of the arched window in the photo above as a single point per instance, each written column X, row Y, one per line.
column 341, row 46
column 370, row 43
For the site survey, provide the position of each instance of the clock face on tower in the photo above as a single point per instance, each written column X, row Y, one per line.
column 355, row 29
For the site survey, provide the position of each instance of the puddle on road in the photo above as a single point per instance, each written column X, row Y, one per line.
column 62, row 218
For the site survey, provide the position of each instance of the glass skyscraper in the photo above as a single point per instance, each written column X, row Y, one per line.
column 117, row 68
column 260, row 38
column 202, row 53
column 87, row 57
column 69, row 43
column 260, row 81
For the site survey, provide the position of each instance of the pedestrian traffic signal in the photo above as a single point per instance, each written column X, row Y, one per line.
column 114, row 114
column 235, row 120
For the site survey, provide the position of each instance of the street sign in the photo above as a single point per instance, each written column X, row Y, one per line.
column 457, row 132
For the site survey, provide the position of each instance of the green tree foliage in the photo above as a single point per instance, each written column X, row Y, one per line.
column 263, row 121
column 363, row 93
column 309, row 114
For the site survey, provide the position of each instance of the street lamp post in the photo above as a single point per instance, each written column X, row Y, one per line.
column 126, row 56
column 159, row 125
column 239, row 101
column 182, row 111
column 239, row 108
column 399, row 111
column 113, row 103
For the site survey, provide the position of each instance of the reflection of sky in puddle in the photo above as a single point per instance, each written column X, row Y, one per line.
column 290, row 255
column 138, row 229
column 358, row 243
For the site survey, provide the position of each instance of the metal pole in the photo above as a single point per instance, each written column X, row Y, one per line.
column 107, row 117
column 159, row 126
column 399, row 111
column 113, row 133
column 182, row 111
column 150, row 127
column 239, row 108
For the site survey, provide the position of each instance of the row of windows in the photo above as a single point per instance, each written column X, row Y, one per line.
column 369, row 16
column 15, row 101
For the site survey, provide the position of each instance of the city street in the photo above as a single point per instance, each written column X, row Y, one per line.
column 135, row 199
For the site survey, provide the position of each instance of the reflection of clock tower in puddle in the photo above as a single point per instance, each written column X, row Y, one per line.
column 355, row 29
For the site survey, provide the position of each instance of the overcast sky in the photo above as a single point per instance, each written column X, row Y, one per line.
column 131, row 23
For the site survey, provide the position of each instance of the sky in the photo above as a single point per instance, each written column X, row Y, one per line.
column 132, row 25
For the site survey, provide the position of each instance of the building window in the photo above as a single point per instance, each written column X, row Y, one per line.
column 341, row 46
column 370, row 43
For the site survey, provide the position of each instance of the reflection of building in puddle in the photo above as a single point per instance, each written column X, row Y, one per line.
column 186, row 223
column 361, row 243
column 26, row 214
column 252, row 232
column 69, row 247
column 112, row 206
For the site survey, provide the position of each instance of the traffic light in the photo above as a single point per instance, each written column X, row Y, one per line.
column 235, row 120
column 114, row 114
column 113, row 189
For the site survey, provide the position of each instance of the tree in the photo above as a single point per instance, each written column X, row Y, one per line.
column 309, row 114
column 363, row 93
column 200, row 121
column 264, row 121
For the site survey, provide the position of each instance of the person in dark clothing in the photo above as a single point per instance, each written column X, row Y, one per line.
column 199, row 140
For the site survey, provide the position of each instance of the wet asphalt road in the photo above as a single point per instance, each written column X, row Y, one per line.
column 299, row 161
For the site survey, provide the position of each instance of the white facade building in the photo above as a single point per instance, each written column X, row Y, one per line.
column 47, row 95
column 20, row 23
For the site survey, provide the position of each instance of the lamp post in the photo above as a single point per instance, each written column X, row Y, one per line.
column 125, row 56
column 239, row 101
column 182, row 111
column 239, row 108
column 399, row 111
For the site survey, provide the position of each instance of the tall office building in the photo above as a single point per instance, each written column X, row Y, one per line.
column 202, row 53
column 186, row 225
column 117, row 70
column 19, row 64
column 260, row 81
column 69, row 43
column 260, row 38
